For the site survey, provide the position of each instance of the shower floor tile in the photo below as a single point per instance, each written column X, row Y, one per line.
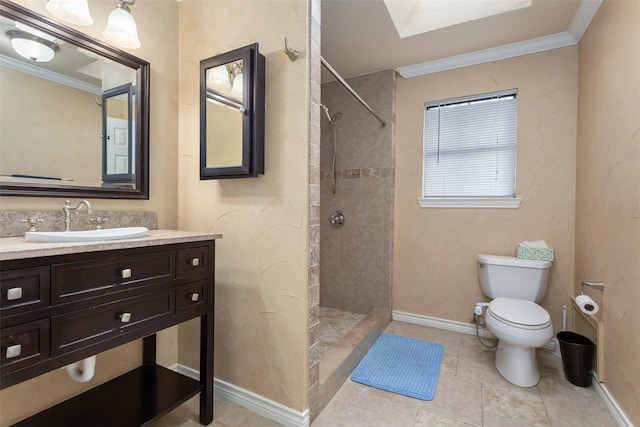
column 334, row 325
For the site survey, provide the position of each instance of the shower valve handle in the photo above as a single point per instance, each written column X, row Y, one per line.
column 337, row 219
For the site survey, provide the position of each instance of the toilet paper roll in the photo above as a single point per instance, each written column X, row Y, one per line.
column 586, row 304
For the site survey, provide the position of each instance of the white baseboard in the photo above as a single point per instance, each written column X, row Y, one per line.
column 435, row 322
column 252, row 401
column 448, row 325
column 616, row 411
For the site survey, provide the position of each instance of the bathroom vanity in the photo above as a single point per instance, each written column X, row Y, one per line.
column 62, row 302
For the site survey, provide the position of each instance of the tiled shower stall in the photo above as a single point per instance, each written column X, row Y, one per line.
column 355, row 259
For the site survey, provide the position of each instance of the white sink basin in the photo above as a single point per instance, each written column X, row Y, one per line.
column 86, row 235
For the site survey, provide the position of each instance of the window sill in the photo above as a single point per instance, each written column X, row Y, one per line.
column 471, row 202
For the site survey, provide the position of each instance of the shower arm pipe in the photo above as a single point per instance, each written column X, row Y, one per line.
column 350, row 89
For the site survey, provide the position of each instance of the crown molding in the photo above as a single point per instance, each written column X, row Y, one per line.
column 585, row 13
column 581, row 20
column 540, row 44
column 43, row 73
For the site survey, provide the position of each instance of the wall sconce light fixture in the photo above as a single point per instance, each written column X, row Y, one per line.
column 219, row 79
column 72, row 11
column 227, row 79
column 121, row 27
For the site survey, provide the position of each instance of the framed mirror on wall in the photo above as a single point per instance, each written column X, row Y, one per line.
column 232, row 87
column 74, row 123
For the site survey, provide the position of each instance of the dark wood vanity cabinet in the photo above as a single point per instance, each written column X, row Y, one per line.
column 59, row 309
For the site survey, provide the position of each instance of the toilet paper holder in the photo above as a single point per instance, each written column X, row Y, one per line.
column 597, row 285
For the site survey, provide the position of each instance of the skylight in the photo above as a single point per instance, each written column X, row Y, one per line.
column 412, row 17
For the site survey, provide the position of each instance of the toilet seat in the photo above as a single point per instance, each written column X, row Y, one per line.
column 519, row 314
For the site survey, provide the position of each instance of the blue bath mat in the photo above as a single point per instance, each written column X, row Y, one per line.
column 401, row 365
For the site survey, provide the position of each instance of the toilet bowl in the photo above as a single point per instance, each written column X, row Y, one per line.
column 521, row 326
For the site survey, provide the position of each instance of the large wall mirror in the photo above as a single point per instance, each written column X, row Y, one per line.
column 232, row 114
column 75, row 118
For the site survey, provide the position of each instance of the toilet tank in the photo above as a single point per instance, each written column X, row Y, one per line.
column 511, row 277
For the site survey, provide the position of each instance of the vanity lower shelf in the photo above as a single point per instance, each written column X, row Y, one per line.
column 161, row 389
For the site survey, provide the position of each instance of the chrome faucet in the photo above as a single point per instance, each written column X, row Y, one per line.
column 67, row 211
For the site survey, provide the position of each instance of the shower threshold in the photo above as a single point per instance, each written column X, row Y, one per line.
column 340, row 358
column 334, row 325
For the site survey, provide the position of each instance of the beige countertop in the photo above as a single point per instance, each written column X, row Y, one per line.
column 19, row 248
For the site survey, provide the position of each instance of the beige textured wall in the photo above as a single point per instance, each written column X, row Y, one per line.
column 261, row 262
column 434, row 269
column 608, row 191
column 160, row 49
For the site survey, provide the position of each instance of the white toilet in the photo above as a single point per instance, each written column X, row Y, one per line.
column 516, row 285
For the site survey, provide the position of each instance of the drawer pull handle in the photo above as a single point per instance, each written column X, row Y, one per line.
column 195, row 262
column 14, row 351
column 126, row 273
column 124, row 317
column 14, row 294
column 193, row 296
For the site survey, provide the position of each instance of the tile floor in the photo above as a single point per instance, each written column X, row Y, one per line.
column 470, row 392
column 226, row 414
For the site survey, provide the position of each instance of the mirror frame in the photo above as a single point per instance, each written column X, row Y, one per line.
column 253, row 103
column 142, row 67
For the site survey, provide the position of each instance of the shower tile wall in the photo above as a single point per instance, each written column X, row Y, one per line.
column 355, row 260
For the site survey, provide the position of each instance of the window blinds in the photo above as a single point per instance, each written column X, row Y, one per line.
column 470, row 147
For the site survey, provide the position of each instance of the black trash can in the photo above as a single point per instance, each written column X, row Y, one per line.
column 577, row 357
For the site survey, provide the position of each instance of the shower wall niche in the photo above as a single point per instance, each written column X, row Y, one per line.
column 355, row 260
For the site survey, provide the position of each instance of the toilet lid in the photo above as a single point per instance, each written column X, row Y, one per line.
column 519, row 312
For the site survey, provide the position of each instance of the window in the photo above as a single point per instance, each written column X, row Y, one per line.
column 470, row 152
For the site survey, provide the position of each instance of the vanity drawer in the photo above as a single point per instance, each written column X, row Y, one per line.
column 87, row 279
column 93, row 325
column 191, row 296
column 24, row 290
column 24, row 344
column 192, row 262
